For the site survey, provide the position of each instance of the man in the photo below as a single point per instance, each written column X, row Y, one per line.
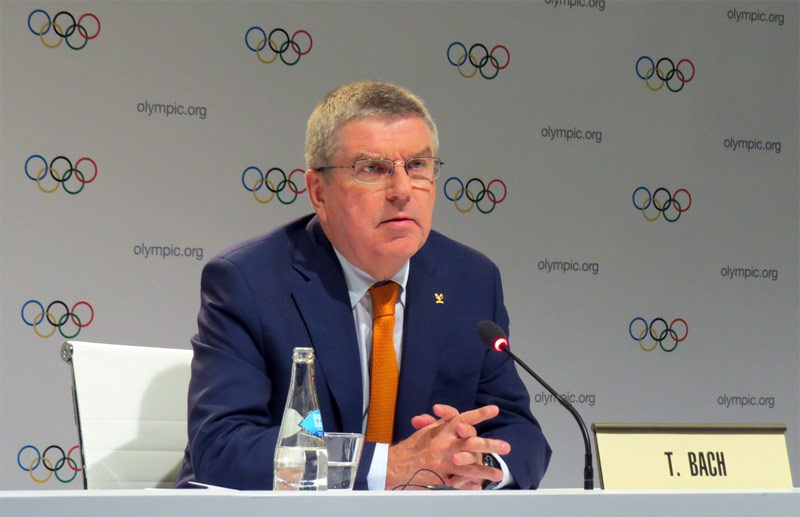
column 457, row 409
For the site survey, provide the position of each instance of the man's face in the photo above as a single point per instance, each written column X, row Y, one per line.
column 377, row 227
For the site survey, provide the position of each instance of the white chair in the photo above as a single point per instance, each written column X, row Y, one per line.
column 130, row 408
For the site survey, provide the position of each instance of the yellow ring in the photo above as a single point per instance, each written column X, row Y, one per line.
column 462, row 73
column 642, row 346
column 647, row 81
column 37, row 331
column 39, row 180
column 41, row 35
column 258, row 53
column 49, row 471
column 458, row 196
column 257, row 185
column 658, row 212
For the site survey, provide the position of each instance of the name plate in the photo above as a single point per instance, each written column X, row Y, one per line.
column 675, row 456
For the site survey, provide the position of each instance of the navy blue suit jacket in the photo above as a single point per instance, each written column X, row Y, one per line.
column 286, row 289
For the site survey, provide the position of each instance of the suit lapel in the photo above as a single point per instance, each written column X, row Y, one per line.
column 422, row 339
column 324, row 304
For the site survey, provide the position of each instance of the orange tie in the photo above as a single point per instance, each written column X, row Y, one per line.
column 383, row 383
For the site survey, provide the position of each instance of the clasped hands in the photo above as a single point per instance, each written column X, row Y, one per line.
column 450, row 446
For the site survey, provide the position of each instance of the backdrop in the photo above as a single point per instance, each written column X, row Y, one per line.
column 632, row 167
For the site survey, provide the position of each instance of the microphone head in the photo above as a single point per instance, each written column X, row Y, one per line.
column 492, row 335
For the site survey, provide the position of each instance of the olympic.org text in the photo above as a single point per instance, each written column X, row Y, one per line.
column 750, row 145
column 754, row 16
column 544, row 397
column 748, row 272
column 745, row 401
column 600, row 5
column 171, row 109
column 565, row 266
column 146, row 251
column 572, row 134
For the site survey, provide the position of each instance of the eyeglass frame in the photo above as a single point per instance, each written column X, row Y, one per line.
column 391, row 171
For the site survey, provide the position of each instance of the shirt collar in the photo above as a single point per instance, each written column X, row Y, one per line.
column 358, row 282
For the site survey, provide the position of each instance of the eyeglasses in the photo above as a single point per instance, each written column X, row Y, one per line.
column 378, row 170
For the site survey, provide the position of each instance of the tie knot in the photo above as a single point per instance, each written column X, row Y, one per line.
column 384, row 298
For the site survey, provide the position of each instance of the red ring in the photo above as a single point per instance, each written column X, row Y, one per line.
column 505, row 190
column 685, row 326
column 95, row 169
column 508, row 56
column 72, row 312
column 684, row 81
column 690, row 199
column 310, row 41
column 69, row 454
column 291, row 183
column 81, row 29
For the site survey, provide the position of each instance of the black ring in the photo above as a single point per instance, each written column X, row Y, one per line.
column 72, row 27
column 269, row 39
column 481, row 195
column 671, row 70
column 45, row 454
column 663, row 335
column 280, row 185
column 469, row 53
column 47, row 311
column 665, row 206
column 67, row 172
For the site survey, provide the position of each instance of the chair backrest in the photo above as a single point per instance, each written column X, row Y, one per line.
column 130, row 408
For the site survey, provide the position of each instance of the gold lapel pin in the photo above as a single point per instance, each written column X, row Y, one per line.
column 439, row 298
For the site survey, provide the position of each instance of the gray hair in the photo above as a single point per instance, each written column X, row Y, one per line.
column 358, row 100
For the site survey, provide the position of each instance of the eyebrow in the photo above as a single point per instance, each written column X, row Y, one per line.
column 421, row 154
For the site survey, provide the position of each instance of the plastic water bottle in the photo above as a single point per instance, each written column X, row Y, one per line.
column 301, row 459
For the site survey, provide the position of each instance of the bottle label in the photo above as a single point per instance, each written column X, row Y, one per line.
column 313, row 423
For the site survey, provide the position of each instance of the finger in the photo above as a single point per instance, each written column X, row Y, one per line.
column 444, row 411
column 420, row 421
column 481, row 414
column 466, row 431
column 464, row 483
column 486, row 445
column 467, row 458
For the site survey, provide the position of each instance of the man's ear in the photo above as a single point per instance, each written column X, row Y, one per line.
column 315, row 183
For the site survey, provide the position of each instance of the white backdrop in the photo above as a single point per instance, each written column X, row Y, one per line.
column 572, row 119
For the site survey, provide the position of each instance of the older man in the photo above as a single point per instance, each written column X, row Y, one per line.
column 427, row 393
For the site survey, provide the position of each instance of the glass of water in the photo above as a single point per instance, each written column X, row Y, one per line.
column 344, row 453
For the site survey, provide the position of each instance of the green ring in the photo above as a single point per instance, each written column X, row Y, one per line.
column 488, row 58
column 280, row 188
column 82, row 182
column 63, row 319
column 85, row 40
column 58, row 466
column 283, row 50
column 490, row 194
column 679, row 79
column 677, row 216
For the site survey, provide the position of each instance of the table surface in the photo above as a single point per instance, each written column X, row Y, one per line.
column 563, row 502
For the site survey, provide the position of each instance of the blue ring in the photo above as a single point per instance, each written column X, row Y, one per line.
column 630, row 327
column 463, row 190
column 49, row 22
column 653, row 68
column 260, row 174
column 649, row 198
column 465, row 53
column 256, row 27
column 28, row 161
column 38, row 455
column 22, row 313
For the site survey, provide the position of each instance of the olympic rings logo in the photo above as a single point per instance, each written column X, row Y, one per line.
column 34, row 459
column 669, row 206
column 38, row 169
column 479, row 58
column 40, row 21
column 659, row 331
column 257, row 40
column 477, row 194
column 253, row 179
column 666, row 71
column 58, row 316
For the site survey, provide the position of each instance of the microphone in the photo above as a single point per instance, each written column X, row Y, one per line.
column 495, row 338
